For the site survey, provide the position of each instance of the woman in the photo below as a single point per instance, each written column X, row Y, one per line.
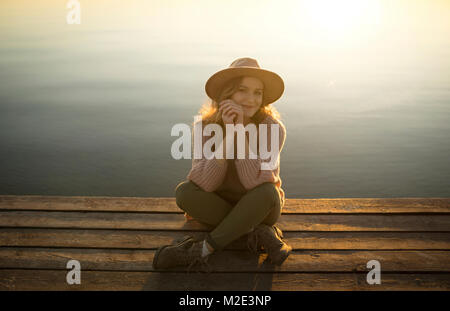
column 235, row 196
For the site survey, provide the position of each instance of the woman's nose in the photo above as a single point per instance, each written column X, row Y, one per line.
column 250, row 99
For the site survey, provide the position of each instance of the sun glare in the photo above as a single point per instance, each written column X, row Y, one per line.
column 343, row 17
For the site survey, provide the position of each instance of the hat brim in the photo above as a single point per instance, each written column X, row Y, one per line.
column 273, row 84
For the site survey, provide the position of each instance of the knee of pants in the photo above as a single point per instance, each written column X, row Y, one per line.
column 267, row 192
column 182, row 192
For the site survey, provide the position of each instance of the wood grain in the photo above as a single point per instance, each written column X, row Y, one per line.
column 150, row 281
column 152, row 221
column 141, row 239
column 229, row 261
column 115, row 240
column 168, row 204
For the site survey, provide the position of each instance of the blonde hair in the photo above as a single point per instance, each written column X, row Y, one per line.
column 209, row 111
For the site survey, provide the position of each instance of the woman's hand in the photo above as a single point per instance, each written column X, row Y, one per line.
column 232, row 113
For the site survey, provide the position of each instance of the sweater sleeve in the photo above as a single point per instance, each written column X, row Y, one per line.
column 207, row 174
column 249, row 170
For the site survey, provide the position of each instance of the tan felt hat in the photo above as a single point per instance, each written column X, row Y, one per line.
column 273, row 84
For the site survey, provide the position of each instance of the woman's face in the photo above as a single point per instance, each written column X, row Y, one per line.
column 249, row 95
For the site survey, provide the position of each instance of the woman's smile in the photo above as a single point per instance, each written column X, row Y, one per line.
column 247, row 106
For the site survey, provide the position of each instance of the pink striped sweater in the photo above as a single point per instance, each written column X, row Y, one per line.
column 236, row 176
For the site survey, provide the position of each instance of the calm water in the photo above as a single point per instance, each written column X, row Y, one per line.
column 89, row 111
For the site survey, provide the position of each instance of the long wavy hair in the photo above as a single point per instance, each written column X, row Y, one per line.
column 209, row 111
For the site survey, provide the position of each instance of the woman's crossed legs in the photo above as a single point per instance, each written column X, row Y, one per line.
column 261, row 204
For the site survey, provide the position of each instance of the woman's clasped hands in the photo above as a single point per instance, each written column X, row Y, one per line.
column 232, row 113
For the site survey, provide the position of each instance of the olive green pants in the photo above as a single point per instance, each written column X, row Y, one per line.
column 230, row 220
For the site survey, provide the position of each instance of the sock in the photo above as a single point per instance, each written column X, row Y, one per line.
column 205, row 250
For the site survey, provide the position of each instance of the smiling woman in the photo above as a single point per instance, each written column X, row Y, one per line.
column 235, row 196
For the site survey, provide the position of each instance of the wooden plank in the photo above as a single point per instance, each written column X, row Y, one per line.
column 229, row 261
column 109, row 280
column 85, row 238
column 86, row 203
column 368, row 205
column 168, row 204
column 151, row 221
column 368, row 240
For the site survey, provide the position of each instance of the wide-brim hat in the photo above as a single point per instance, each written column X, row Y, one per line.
column 273, row 84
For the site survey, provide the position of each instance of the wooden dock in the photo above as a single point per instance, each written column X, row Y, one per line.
column 115, row 239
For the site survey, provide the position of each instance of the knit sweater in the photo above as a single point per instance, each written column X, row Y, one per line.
column 234, row 177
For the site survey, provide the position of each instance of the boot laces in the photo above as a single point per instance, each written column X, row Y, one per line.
column 194, row 257
column 253, row 238
column 278, row 232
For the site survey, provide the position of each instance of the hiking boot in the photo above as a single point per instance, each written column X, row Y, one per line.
column 188, row 252
column 271, row 239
